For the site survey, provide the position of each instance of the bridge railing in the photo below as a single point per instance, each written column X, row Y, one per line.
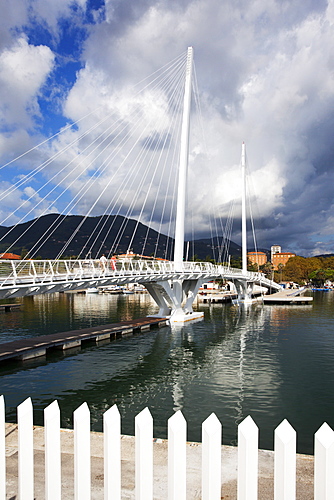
column 16, row 272
column 53, row 269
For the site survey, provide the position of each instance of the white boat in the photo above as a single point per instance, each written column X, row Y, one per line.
column 92, row 290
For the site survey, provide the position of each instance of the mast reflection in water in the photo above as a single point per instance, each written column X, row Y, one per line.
column 270, row 362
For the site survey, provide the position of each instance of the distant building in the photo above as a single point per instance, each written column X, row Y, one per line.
column 10, row 256
column 281, row 258
column 274, row 249
column 258, row 258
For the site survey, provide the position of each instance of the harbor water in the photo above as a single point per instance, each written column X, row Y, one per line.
column 268, row 361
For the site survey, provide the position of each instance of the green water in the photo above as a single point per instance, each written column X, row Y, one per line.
column 270, row 362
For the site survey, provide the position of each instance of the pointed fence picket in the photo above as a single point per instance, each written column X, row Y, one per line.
column 211, row 458
column 25, row 450
column 248, row 438
column 2, row 450
column 177, row 437
column 284, row 465
column 52, row 452
column 82, row 480
column 324, row 463
column 112, row 454
column 285, row 462
column 144, row 455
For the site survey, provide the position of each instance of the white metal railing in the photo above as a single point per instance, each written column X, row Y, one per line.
column 34, row 272
column 247, row 477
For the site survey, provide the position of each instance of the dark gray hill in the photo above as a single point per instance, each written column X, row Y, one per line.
column 47, row 236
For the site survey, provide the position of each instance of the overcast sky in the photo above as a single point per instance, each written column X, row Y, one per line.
column 265, row 72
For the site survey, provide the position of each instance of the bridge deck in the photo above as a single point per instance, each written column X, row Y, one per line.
column 37, row 346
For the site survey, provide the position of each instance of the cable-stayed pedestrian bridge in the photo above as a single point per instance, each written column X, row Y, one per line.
column 127, row 165
column 31, row 277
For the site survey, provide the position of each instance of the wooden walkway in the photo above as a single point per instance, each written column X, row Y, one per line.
column 9, row 307
column 38, row 346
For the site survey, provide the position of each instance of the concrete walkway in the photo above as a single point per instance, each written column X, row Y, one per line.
column 229, row 468
column 288, row 296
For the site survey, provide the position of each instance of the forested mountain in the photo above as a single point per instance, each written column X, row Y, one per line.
column 75, row 235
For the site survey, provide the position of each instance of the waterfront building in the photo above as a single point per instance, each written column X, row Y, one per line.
column 281, row 258
column 273, row 250
column 278, row 257
column 259, row 258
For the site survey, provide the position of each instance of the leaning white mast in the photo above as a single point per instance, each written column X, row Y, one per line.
column 183, row 167
column 243, row 210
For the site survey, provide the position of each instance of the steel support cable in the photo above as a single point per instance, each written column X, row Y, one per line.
column 226, row 243
column 137, row 192
column 213, row 231
column 67, row 127
column 89, row 182
column 158, row 192
column 50, row 138
column 47, row 162
column 162, row 148
column 172, row 213
column 177, row 133
column 139, row 186
column 87, row 215
column 121, row 188
column 230, row 228
column 175, row 63
column 108, row 207
column 226, row 235
column 250, row 211
column 120, row 166
column 38, row 169
column 163, row 211
column 146, row 198
column 135, row 168
column 87, row 186
column 48, row 194
column 107, row 162
column 211, row 211
column 172, row 216
column 227, row 232
column 173, row 195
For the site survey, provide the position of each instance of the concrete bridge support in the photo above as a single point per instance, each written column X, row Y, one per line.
column 175, row 298
column 244, row 290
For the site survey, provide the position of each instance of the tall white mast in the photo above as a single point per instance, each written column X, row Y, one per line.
column 243, row 210
column 183, row 167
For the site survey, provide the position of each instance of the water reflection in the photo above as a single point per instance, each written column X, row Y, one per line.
column 271, row 362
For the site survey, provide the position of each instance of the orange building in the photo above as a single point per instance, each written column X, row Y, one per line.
column 9, row 256
column 281, row 258
column 258, row 258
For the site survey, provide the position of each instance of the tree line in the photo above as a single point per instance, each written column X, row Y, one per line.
column 303, row 270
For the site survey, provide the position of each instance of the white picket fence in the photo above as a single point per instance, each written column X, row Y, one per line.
column 284, row 464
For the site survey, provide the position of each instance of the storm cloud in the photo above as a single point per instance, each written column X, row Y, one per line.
column 265, row 72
